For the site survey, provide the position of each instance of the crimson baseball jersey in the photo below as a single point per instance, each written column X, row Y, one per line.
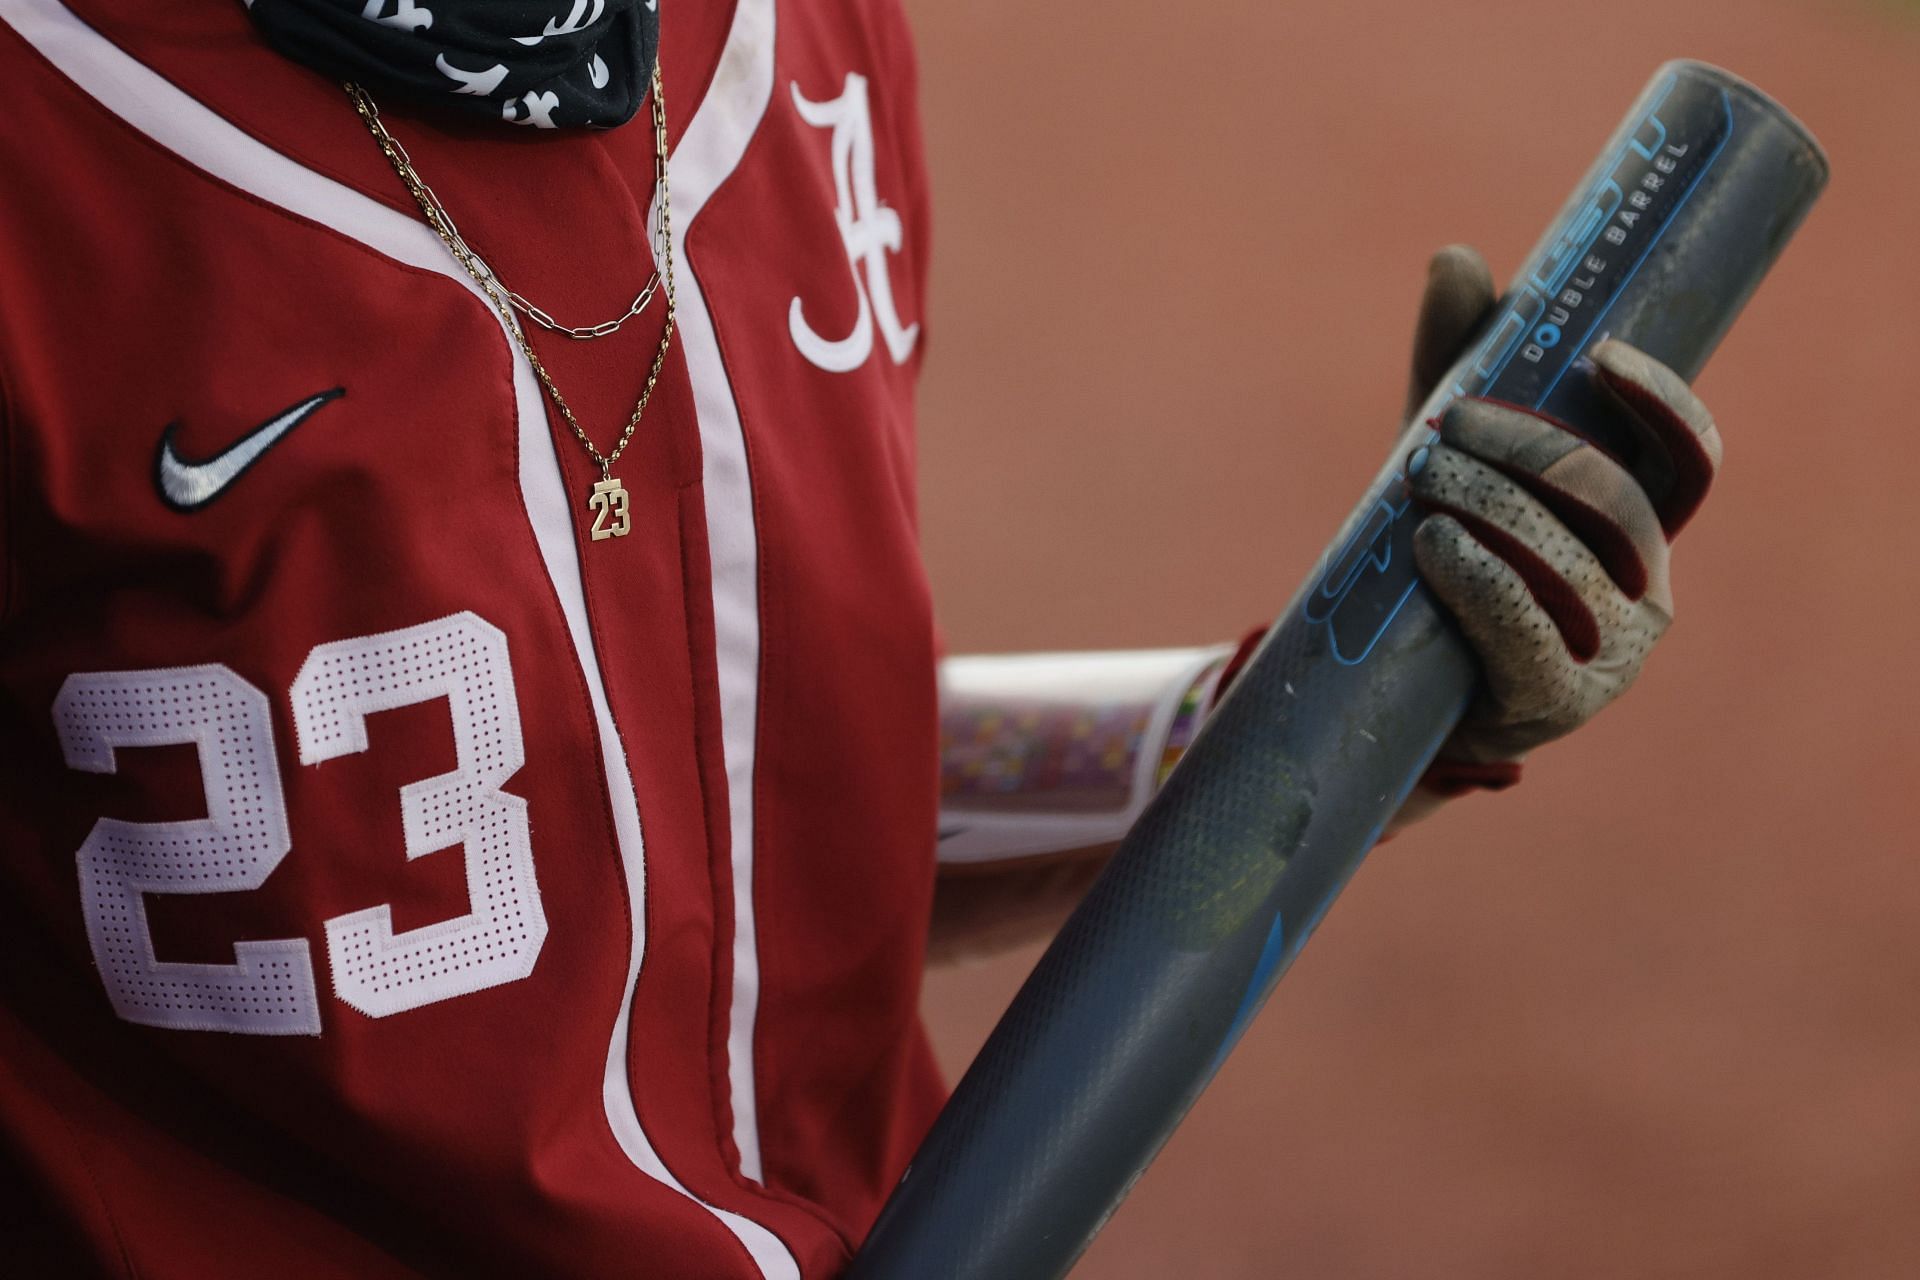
column 395, row 879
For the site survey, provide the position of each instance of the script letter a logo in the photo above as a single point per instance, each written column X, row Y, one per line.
column 868, row 228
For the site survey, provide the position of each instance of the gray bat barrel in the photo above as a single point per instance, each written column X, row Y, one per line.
column 1224, row 877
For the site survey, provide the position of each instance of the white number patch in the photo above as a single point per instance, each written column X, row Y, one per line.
column 269, row 989
column 463, row 660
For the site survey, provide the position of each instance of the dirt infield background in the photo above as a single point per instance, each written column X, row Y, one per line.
column 1658, row 1012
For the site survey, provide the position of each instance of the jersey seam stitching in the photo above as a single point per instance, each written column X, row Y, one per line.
column 99, row 1193
column 9, row 506
column 720, row 956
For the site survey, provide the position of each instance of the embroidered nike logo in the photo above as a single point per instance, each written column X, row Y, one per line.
column 190, row 484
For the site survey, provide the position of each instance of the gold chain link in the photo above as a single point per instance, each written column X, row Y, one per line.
column 503, row 298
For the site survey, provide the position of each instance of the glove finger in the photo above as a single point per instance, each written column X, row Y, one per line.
column 1566, row 579
column 1592, row 495
column 1686, row 447
column 1535, row 690
column 1522, row 654
column 1458, row 295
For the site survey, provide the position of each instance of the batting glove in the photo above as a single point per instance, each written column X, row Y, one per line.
column 1550, row 553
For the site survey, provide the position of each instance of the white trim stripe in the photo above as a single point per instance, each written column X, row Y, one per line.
column 712, row 148
column 176, row 121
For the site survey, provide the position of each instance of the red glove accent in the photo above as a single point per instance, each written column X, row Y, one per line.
column 1238, row 661
column 1450, row 778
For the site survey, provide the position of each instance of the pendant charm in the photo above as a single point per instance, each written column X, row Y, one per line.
column 609, row 506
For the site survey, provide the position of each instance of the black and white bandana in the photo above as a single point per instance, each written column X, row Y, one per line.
column 553, row 64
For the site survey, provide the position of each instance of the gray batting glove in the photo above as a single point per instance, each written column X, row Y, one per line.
column 1551, row 554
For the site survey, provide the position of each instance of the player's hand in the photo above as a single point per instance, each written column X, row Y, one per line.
column 1551, row 555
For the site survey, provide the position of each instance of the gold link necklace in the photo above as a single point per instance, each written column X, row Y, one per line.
column 608, row 501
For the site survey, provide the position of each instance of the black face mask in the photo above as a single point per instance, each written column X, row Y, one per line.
column 549, row 63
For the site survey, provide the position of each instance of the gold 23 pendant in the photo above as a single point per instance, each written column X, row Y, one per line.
column 609, row 506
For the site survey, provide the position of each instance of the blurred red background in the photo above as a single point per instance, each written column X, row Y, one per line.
column 1657, row 1013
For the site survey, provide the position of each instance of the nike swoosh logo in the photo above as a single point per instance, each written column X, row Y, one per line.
column 190, row 484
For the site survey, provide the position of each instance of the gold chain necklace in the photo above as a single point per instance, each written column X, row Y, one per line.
column 608, row 501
